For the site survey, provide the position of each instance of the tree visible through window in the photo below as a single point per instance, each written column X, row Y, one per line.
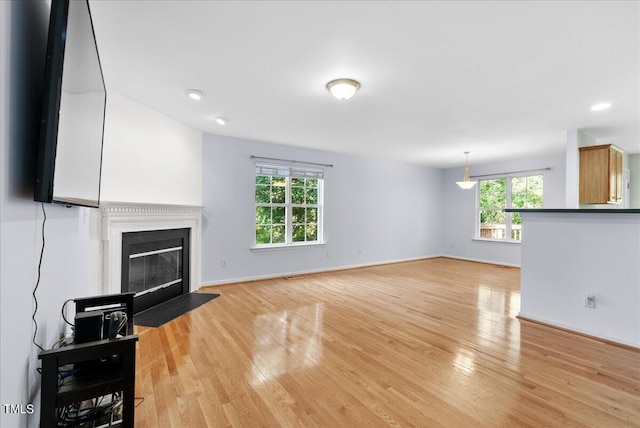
column 288, row 205
column 304, row 209
column 506, row 192
column 270, row 209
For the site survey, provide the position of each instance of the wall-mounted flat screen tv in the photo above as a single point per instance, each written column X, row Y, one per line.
column 74, row 100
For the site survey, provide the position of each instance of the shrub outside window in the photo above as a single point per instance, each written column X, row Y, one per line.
column 288, row 204
column 506, row 192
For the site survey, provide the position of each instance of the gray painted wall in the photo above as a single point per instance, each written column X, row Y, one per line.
column 388, row 210
column 459, row 209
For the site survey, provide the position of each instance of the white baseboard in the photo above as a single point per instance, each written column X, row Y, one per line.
column 307, row 272
column 592, row 334
column 449, row 256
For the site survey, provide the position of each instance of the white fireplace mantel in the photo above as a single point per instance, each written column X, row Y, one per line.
column 117, row 218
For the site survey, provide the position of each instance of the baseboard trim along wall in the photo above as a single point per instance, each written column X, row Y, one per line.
column 307, row 272
column 490, row 262
column 572, row 329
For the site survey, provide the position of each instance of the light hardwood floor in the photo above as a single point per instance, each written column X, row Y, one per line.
column 427, row 343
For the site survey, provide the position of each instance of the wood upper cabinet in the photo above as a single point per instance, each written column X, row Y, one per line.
column 600, row 174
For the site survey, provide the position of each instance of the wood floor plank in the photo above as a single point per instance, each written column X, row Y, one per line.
column 433, row 342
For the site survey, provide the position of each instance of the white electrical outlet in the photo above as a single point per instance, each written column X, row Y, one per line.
column 590, row 301
column 328, row 254
column 223, row 263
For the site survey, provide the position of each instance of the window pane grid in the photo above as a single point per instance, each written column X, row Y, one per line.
column 508, row 192
column 527, row 192
column 287, row 208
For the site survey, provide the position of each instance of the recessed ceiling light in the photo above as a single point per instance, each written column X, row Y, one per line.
column 343, row 89
column 222, row 121
column 195, row 94
column 600, row 106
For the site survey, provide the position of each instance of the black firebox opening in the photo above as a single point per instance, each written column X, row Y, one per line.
column 155, row 265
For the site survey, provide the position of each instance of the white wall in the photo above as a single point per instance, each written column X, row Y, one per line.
column 567, row 255
column 575, row 138
column 23, row 27
column 149, row 157
column 389, row 210
column 460, row 216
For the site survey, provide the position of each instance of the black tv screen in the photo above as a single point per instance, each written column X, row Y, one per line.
column 74, row 101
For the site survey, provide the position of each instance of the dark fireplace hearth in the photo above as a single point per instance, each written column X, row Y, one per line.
column 155, row 265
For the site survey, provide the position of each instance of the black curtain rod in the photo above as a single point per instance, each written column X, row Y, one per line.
column 327, row 165
column 511, row 172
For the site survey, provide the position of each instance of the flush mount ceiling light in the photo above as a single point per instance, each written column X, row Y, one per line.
column 195, row 94
column 601, row 106
column 343, row 89
column 222, row 121
column 466, row 183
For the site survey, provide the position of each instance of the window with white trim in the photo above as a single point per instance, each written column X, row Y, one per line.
column 288, row 202
column 506, row 192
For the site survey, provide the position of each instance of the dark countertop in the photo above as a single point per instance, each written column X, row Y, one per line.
column 574, row 210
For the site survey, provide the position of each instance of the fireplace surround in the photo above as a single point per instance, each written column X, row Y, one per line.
column 118, row 219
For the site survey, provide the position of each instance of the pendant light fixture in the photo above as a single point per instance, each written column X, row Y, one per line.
column 466, row 183
column 343, row 89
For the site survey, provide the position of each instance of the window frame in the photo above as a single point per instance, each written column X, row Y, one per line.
column 299, row 173
column 508, row 205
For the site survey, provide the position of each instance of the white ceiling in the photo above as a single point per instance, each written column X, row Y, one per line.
column 502, row 79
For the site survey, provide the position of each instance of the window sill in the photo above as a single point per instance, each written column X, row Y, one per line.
column 280, row 247
column 501, row 241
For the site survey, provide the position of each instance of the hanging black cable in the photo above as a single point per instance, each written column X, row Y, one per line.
column 63, row 312
column 35, row 299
